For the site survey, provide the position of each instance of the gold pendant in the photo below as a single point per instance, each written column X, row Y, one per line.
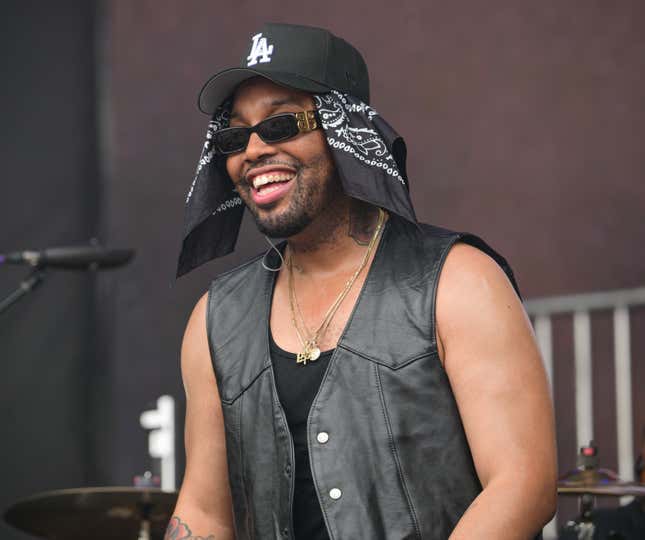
column 310, row 353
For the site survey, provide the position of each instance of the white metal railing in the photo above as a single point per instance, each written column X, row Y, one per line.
column 580, row 307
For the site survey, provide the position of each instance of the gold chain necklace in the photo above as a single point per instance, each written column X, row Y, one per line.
column 310, row 351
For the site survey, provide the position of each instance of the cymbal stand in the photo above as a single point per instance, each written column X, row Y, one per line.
column 583, row 527
column 144, row 530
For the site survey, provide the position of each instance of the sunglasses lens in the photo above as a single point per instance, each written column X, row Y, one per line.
column 231, row 140
column 278, row 128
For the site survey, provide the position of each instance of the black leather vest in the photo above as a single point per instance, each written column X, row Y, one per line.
column 387, row 448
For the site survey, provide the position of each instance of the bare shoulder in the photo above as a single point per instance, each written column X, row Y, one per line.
column 196, row 326
column 475, row 293
column 468, row 270
column 195, row 354
column 496, row 375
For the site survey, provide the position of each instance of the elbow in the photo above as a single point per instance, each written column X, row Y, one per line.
column 553, row 505
column 550, row 506
column 534, row 497
column 546, row 499
column 541, row 482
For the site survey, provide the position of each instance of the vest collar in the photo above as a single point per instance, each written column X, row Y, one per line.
column 374, row 329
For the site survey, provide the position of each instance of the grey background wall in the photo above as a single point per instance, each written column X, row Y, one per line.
column 524, row 124
column 49, row 195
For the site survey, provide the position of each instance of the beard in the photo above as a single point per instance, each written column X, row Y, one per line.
column 290, row 223
column 316, row 187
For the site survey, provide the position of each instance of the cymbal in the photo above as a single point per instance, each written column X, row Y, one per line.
column 597, row 482
column 589, row 476
column 100, row 513
column 611, row 490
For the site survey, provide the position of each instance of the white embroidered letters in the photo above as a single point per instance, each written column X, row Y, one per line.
column 260, row 49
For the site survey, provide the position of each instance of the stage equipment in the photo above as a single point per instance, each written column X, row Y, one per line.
column 587, row 482
column 99, row 513
column 90, row 257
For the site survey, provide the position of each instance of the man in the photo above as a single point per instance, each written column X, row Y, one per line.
column 371, row 377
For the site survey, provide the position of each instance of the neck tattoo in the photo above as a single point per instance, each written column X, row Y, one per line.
column 362, row 220
column 308, row 339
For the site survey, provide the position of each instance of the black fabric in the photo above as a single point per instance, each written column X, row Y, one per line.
column 303, row 57
column 397, row 450
column 625, row 523
column 297, row 386
column 369, row 156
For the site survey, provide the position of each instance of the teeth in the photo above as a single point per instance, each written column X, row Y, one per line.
column 269, row 189
column 268, row 178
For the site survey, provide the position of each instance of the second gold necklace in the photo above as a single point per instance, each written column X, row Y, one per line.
column 309, row 340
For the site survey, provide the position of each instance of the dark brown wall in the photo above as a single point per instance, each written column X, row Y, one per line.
column 524, row 124
column 48, row 197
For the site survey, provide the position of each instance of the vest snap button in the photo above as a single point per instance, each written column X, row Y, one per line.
column 322, row 437
column 335, row 493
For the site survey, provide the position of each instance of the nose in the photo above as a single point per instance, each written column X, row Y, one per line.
column 257, row 148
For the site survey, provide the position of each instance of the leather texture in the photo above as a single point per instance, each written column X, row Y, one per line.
column 397, row 450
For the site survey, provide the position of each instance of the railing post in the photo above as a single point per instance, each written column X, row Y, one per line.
column 584, row 400
column 544, row 337
column 622, row 366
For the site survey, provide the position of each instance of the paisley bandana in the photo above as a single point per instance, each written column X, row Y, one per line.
column 369, row 157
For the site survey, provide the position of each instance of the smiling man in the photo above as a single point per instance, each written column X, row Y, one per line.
column 370, row 377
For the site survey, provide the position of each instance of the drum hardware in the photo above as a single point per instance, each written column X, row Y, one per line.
column 146, row 480
column 587, row 482
column 100, row 513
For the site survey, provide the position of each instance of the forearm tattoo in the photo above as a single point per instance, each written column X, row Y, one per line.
column 178, row 530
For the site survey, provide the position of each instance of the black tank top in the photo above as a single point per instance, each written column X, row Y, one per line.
column 297, row 386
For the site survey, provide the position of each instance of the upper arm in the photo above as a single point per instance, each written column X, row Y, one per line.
column 495, row 370
column 204, row 500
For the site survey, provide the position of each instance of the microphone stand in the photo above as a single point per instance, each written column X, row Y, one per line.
column 27, row 285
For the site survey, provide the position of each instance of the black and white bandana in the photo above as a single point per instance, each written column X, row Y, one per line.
column 369, row 157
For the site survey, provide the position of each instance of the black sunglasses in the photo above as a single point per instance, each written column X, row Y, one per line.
column 273, row 129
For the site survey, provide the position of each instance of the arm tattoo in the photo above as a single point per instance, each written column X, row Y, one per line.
column 178, row 530
column 362, row 220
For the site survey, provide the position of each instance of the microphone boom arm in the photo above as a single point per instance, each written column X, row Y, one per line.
column 33, row 279
column 93, row 257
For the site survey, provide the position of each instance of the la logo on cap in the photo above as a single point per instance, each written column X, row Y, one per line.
column 260, row 49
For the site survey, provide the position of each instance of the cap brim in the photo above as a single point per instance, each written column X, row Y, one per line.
column 221, row 85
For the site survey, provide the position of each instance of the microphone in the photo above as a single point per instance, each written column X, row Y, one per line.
column 71, row 257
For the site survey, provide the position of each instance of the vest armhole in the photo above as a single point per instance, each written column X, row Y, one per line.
column 435, row 287
column 211, row 345
column 476, row 242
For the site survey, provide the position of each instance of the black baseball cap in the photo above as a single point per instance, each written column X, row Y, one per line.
column 301, row 57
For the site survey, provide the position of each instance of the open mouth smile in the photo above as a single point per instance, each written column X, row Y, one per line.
column 270, row 183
